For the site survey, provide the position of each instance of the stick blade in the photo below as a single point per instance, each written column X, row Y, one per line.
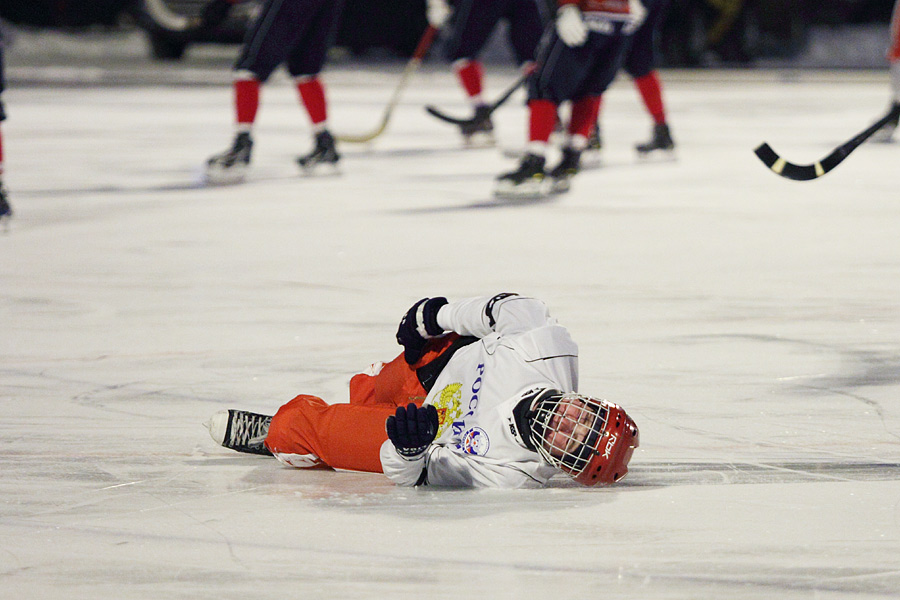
column 434, row 112
column 779, row 166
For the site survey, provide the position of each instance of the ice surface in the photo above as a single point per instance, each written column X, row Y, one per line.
column 749, row 323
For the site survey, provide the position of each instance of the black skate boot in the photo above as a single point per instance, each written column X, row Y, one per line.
column 526, row 181
column 325, row 152
column 5, row 208
column 885, row 135
column 568, row 167
column 479, row 132
column 591, row 157
column 661, row 141
column 595, row 141
column 231, row 166
column 240, row 430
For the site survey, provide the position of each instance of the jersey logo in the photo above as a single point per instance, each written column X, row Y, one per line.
column 476, row 441
column 447, row 404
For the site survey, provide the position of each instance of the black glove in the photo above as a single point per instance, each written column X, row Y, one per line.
column 412, row 429
column 418, row 325
column 214, row 13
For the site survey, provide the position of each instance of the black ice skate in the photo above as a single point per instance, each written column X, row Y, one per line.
column 661, row 144
column 591, row 157
column 568, row 167
column 325, row 152
column 528, row 181
column 885, row 135
column 480, row 130
column 595, row 141
column 5, row 208
column 240, row 430
column 231, row 166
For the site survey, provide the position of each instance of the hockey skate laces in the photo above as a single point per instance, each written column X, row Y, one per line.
column 567, row 428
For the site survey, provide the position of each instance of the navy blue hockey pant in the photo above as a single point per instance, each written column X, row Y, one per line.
column 475, row 20
column 572, row 73
column 2, row 80
column 640, row 58
column 295, row 32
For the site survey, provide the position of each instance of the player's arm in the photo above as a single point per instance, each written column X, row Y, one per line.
column 505, row 314
column 432, row 317
column 409, row 458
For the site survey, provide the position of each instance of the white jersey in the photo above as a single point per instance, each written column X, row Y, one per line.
column 520, row 348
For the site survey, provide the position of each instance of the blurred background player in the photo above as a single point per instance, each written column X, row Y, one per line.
column 640, row 64
column 472, row 23
column 585, row 51
column 886, row 133
column 297, row 33
column 5, row 209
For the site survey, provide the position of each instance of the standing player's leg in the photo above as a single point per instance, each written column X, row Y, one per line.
column 606, row 57
column 304, row 63
column 582, row 121
column 557, row 79
column 886, row 133
column 5, row 209
column 640, row 64
column 472, row 24
column 269, row 39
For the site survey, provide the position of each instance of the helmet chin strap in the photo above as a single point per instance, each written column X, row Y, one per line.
column 522, row 413
column 518, row 424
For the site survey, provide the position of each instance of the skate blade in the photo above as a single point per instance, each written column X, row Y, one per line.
column 319, row 169
column 525, row 191
column 657, row 156
column 591, row 159
column 561, row 186
column 225, row 176
column 482, row 139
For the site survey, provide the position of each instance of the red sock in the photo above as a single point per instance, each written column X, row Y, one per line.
column 246, row 100
column 541, row 120
column 313, row 95
column 651, row 92
column 584, row 115
column 471, row 74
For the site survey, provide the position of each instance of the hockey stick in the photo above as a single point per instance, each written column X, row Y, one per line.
column 411, row 66
column 492, row 107
column 806, row 172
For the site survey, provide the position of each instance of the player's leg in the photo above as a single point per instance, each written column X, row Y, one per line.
column 5, row 209
column 527, row 22
column 607, row 51
column 307, row 432
column 886, row 133
column 640, row 64
column 304, row 63
column 582, row 121
column 265, row 47
column 473, row 22
column 231, row 165
column 556, row 79
column 398, row 383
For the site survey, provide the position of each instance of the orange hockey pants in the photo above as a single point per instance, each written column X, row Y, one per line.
column 349, row 436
